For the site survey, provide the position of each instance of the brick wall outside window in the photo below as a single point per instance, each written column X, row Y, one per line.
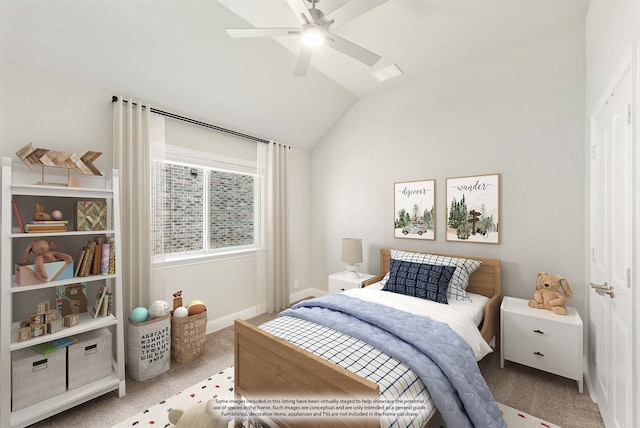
column 231, row 209
column 231, row 212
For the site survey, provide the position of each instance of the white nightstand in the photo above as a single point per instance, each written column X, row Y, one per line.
column 540, row 339
column 345, row 280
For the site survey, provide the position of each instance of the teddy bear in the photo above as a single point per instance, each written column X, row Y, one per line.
column 201, row 415
column 552, row 293
column 44, row 252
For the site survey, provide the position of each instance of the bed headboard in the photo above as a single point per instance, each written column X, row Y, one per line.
column 487, row 280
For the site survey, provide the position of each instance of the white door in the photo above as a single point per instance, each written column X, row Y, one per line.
column 610, row 297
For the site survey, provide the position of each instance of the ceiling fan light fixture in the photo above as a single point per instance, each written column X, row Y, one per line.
column 312, row 36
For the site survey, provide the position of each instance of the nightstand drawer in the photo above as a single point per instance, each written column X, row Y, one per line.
column 558, row 360
column 521, row 328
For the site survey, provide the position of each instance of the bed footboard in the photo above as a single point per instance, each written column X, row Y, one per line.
column 267, row 366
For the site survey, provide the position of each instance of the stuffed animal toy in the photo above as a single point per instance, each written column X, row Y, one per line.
column 201, row 415
column 551, row 294
column 44, row 252
column 39, row 213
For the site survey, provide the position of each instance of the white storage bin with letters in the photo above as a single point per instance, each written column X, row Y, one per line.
column 36, row 377
column 149, row 348
column 89, row 358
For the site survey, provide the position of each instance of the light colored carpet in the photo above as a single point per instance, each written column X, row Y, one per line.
column 220, row 387
column 552, row 398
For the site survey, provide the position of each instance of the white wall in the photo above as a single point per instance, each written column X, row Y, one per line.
column 53, row 113
column 58, row 113
column 518, row 112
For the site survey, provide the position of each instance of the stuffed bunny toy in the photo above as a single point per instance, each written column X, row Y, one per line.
column 44, row 252
column 39, row 214
column 551, row 294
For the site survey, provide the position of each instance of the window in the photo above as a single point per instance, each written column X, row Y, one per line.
column 205, row 209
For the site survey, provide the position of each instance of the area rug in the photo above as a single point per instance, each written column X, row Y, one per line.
column 517, row 419
column 220, row 386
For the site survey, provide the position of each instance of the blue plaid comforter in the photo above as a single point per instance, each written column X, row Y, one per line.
column 442, row 360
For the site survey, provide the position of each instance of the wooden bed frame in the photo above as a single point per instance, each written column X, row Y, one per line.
column 267, row 366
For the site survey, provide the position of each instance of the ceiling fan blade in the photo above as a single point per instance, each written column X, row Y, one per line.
column 262, row 32
column 304, row 58
column 354, row 51
column 352, row 9
column 300, row 10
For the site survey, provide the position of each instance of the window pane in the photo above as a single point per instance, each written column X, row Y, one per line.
column 184, row 209
column 231, row 209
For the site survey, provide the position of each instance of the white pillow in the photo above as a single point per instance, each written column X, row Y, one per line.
column 459, row 280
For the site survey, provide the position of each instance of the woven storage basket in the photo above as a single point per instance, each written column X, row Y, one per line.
column 188, row 336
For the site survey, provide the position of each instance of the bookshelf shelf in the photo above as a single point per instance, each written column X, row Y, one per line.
column 62, row 234
column 17, row 185
column 15, row 288
column 87, row 323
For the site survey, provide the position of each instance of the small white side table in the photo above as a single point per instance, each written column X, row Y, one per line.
column 345, row 280
column 540, row 339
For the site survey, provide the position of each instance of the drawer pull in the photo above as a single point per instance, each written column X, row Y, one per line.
column 538, row 353
column 538, row 331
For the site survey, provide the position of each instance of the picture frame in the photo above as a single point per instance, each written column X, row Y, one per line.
column 414, row 210
column 473, row 209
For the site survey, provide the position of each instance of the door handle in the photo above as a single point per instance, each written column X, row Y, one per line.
column 602, row 289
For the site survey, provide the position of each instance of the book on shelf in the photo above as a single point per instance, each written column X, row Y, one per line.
column 87, row 259
column 99, row 301
column 42, row 226
column 80, row 259
column 71, row 299
column 18, row 216
column 96, row 258
column 106, row 308
column 104, row 258
column 112, row 257
column 49, row 347
column 95, row 267
column 110, row 304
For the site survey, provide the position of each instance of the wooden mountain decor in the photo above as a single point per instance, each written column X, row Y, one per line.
column 80, row 161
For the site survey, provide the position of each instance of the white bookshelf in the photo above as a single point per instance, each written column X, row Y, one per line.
column 18, row 182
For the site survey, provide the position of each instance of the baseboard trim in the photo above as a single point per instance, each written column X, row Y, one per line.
column 307, row 292
column 227, row 320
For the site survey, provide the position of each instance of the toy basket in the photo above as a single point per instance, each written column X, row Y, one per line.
column 188, row 337
column 149, row 351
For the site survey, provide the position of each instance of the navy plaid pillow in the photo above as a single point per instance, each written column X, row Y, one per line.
column 421, row 280
column 460, row 280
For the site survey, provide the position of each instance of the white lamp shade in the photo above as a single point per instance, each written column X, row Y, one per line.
column 351, row 250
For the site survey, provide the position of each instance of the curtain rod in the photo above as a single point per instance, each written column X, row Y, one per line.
column 197, row 122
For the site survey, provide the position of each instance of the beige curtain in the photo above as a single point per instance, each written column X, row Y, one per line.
column 138, row 146
column 273, row 159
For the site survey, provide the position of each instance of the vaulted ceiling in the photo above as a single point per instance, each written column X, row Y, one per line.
column 177, row 55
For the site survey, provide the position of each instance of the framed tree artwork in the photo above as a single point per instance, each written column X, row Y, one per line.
column 414, row 205
column 473, row 209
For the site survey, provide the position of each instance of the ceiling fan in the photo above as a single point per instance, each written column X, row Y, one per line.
column 315, row 30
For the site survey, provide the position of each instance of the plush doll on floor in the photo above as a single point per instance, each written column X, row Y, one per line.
column 201, row 415
column 551, row 293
